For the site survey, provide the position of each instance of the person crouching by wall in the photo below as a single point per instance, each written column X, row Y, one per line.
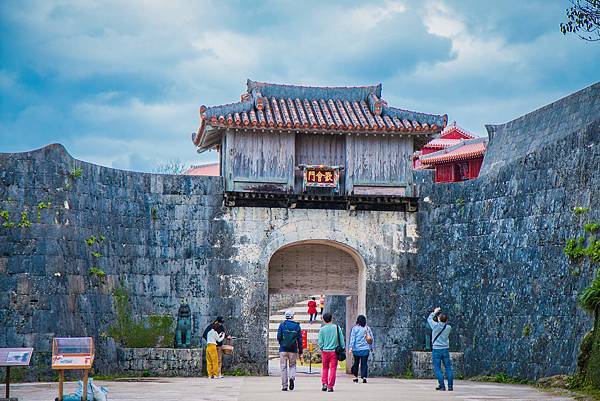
column 330, row 337
column 440, row 331
column 212, row 358
column 360, row 345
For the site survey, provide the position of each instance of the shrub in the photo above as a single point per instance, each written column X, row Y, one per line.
column 96, row 271
column 591, row 227
column 589, row 299
column 574, row 248
column 144, row 333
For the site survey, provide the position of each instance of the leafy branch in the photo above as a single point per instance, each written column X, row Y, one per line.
column 583, row 18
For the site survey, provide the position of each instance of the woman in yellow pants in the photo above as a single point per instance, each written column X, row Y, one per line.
column 212, row 358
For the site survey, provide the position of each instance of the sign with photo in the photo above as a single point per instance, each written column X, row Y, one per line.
column 15, row 356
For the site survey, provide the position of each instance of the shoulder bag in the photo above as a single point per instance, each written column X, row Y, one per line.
column 340, row 351
column 368, row 335
column 438, row 335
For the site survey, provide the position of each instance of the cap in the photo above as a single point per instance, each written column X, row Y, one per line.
column 289, row 314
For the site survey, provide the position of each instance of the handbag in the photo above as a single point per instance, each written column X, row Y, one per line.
column 340, row 352
column 368, row 338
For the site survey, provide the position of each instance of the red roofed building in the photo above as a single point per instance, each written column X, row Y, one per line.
column 450, row 136
column 210, row 169
column 457, row 163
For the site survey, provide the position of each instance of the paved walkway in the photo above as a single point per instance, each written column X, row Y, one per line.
column 268, row 388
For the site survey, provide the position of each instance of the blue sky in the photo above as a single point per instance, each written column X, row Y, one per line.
column 119, row 83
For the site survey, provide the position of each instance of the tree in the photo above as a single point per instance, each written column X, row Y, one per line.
column 583, row 18
column 171, row 166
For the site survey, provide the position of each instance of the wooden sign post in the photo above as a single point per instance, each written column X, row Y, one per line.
column 14, row 357
column 69, row 354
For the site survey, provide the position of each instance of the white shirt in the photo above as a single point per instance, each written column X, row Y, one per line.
column 213, row 337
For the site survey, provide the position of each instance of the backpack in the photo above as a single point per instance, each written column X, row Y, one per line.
column 288, row 338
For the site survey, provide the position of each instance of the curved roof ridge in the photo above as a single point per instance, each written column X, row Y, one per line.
column 439, row 120
column 314, row 92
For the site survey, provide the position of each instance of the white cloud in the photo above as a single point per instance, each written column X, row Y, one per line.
column 121, row 82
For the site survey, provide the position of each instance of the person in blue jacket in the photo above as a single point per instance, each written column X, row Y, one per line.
column 440, row 333
column 361, row 345
column 289, row 336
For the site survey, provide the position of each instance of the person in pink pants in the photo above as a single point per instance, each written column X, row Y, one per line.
column 330, row 336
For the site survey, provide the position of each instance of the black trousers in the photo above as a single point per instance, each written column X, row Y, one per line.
column 364, row 366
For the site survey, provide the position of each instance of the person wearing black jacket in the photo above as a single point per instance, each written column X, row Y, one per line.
column 289, row 336
column 219, row 329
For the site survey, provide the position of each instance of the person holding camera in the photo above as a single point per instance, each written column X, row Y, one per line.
column 440, row 331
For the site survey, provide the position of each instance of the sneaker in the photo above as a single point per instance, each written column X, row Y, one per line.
column 355, row 380
column 284, row 389
column 364, row 380
column 440, row 388
column 220, row 376
column 450, row 389
column 291, row 384
column 330, row 390
column 324, row 388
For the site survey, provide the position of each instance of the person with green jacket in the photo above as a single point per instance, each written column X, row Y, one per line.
column 330, row 336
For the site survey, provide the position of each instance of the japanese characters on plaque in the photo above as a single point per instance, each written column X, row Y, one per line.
column 321, row 176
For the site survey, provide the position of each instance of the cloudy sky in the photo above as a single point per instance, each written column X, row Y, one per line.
column 119, row 83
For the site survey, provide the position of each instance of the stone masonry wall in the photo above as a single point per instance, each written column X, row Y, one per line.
column 493, row 247
column 162, row 244
column 167, row 239
column 160, row 361
column 490, row 251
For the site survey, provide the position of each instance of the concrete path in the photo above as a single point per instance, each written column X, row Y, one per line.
column 268, row 388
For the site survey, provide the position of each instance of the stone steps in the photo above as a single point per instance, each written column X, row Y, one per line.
column 300, row 316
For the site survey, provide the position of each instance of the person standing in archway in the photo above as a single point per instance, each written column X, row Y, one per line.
column 330, row 339
column 312, row 310
column 322, row 304
column 360, row 345
column 289, row 336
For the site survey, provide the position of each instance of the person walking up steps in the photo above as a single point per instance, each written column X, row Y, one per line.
column 289, row 336
column 440, row 331
column 360, row 345
column 312, row 310
column 330, row 338
column 212, row 359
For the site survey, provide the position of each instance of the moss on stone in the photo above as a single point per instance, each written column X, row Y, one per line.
column 588, row 361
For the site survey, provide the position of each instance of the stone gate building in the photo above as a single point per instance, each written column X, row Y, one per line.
column 489, row 250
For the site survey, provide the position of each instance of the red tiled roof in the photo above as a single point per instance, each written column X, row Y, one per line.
column 468, row 149
column 453, row 128
column 211, row 169
column 442, row 143
column 271, row 106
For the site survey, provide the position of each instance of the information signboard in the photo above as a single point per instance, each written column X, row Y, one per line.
column 72, row 353
column 304, row 339
column 15, row 356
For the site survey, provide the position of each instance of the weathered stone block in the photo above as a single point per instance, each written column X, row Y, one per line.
column 422, row 364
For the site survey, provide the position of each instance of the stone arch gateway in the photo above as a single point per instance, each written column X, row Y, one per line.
column 320, row 267
column 323, row 266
